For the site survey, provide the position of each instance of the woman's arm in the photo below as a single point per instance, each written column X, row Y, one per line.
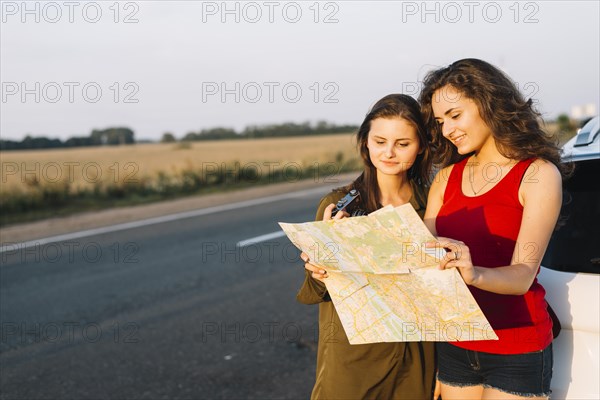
column 436, row 198
column 541, row 196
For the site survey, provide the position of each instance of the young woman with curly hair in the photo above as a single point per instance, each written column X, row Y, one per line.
column 493, row 206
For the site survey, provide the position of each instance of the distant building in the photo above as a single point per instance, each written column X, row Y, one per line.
column 583, row 111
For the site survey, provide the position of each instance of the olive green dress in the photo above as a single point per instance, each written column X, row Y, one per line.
column 401, row 370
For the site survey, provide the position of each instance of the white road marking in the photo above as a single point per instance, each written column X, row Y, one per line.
column 162, row 219
column 261, row 238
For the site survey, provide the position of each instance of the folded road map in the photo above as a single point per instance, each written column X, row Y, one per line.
column 384, row 283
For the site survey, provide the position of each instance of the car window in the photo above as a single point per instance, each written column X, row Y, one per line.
column 575, row 243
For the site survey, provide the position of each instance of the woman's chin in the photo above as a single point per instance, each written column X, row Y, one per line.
column 390, row 170
column 462, row 150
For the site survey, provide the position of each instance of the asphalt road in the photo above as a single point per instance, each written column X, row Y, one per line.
column 170, row 310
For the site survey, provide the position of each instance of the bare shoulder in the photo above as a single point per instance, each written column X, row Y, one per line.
column 542, row 178
column 542, row 171
column 438, row 186
column 436, row 197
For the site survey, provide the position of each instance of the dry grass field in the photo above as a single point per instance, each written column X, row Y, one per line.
column 37, row 184
column 90, row 165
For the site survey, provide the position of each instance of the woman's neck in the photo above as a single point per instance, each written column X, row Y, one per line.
column 488, row 154
column 394, row 189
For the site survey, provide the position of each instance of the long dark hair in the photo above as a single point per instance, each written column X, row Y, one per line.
column 514, row 122
column 391, row 106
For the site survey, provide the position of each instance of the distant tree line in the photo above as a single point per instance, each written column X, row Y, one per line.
column 110, row 136
column 263, row 131
column 117, row 136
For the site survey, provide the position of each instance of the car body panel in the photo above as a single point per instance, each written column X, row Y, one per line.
column 575, row 295
column 586, row 144
column 575, row 298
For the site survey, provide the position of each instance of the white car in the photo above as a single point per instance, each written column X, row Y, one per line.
column 570, row 272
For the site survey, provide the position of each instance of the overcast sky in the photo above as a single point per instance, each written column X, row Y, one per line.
column 158, row 66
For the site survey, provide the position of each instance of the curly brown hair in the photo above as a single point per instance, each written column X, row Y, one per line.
column 514, row 122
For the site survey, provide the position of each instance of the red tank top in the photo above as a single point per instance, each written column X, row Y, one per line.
column 489, row 224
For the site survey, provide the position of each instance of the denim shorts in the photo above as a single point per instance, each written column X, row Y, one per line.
column 526, row 375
